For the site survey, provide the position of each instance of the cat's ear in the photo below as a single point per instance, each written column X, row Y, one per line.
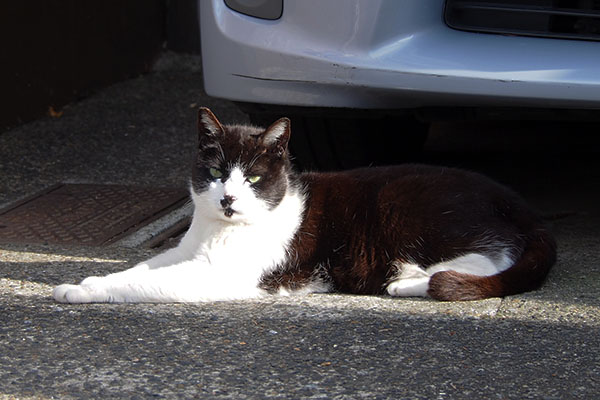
column 277, row 136
column 209, row 127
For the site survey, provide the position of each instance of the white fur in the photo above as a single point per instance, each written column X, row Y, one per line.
column 315, row 286
column 219, row 258
column 249, row 209
column 275, row 131
column 413, row 281
column 319, row 283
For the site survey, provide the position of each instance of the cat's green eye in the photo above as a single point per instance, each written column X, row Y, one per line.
column 215, row 173
column 253, row 179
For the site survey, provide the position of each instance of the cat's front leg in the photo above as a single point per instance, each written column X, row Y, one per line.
column 174, row 256
column 94, row 289
column 190, row 281
column 89, row 291
column 136, row 285
column 97, row 289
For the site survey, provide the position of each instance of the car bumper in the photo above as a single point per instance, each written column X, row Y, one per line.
column 382, row 54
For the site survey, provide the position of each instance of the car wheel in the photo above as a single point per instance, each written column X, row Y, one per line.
column 327, row 144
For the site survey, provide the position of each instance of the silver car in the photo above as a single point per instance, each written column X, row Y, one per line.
column 325, row 60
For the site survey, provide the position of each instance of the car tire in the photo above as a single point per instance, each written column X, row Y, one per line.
column 328, row 144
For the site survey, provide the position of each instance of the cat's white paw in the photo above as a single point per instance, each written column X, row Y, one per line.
column 72, row 294
column 411, row 287
column 412, row 281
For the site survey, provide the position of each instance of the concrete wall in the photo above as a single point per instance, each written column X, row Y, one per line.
column 55, row 52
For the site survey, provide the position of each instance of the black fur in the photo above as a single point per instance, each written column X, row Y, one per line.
column 359, row 225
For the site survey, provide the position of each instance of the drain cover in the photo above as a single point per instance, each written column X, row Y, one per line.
column 83, row 214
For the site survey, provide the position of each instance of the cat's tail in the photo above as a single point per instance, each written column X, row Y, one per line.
column 527, row 273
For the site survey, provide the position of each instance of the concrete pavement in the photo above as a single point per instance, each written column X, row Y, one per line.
column 543, row 344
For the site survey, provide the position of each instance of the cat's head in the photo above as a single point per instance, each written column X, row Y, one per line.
column 240, row 172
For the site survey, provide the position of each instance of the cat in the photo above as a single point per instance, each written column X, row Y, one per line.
column 259, row 228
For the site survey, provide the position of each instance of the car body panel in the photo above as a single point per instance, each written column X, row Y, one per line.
column 383, row 54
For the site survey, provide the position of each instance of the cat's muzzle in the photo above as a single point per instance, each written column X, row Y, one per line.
column 226, row 203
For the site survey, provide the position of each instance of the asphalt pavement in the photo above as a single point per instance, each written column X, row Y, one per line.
column 542, row 345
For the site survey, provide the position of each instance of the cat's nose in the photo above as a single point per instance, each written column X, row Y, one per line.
column 227, row 201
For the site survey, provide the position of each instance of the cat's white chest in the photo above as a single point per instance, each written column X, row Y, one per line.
column 245, row 249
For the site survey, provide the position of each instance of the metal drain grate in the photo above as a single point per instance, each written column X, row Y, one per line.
column 85, row 214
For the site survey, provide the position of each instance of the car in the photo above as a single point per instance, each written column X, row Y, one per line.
column 341, row 68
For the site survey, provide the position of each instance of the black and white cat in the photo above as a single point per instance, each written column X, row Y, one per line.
column 259, row 228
